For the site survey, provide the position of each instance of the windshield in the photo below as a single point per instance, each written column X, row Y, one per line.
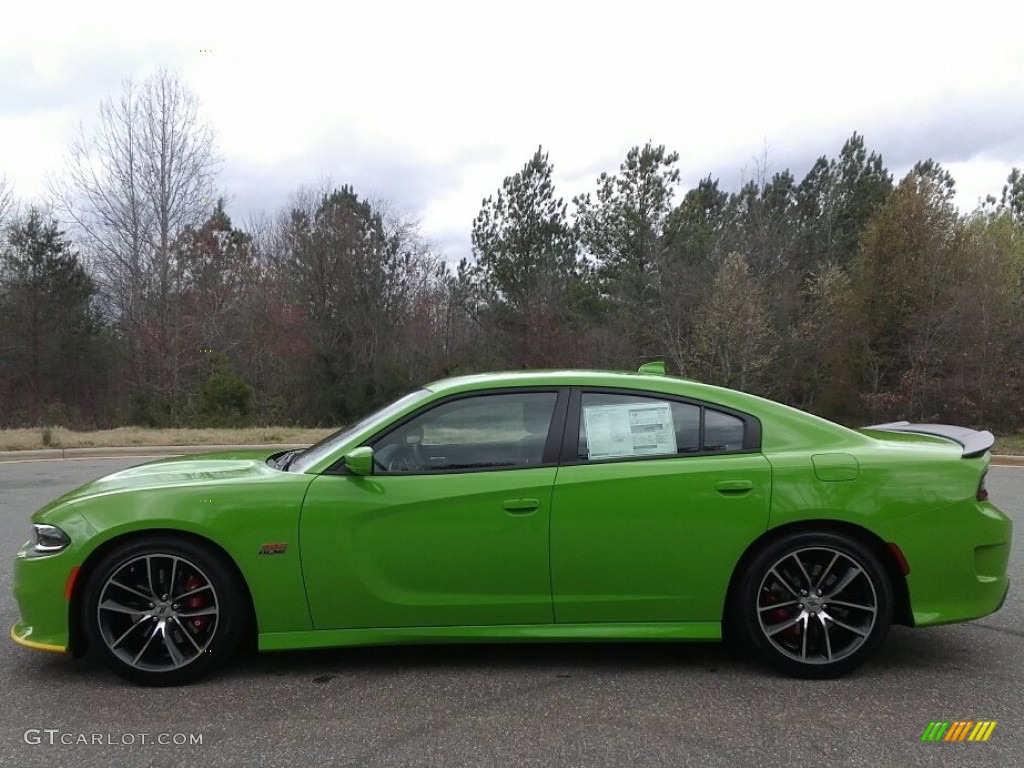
column 329, row 444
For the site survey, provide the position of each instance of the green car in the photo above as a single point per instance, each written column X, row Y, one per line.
column 528, row 506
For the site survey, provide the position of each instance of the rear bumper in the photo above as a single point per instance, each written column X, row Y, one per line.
column 958, row 557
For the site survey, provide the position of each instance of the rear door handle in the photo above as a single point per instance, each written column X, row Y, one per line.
column 734, row 487
column 521, row 506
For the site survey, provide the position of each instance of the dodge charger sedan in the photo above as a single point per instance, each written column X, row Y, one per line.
column 528, row 506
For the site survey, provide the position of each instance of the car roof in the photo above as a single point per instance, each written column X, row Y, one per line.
column 551, row 378
column 594, row 378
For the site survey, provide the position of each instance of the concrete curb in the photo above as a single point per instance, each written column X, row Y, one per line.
column 49, row 454
column 1008, row 461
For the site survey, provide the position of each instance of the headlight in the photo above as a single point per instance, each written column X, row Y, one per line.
column 47, row 540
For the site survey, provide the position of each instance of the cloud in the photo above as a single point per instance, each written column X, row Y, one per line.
column 433, row 104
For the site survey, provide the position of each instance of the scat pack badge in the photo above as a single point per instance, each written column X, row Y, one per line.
column 273, row 549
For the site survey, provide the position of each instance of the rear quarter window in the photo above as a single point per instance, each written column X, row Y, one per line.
column 722, row 431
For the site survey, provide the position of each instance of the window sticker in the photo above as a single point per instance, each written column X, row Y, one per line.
column 632, row 429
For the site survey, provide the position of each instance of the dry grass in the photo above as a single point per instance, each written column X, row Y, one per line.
column 1010, row 445
column 32, row 439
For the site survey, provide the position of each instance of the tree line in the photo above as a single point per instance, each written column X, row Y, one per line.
column 131, row 297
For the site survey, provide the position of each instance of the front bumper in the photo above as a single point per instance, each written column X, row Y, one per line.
column 21, row 634
column 40, row 586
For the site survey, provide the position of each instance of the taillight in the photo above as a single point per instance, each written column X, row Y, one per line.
column 982, row 490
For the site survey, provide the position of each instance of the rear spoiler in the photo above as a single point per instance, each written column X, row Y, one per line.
column 974, row 443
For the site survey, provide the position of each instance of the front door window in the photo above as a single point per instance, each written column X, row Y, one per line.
column 500, row 431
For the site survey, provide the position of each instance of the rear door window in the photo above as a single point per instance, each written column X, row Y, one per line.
column 628, row 426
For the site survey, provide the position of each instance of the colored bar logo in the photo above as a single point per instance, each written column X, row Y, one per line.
column 959, row 730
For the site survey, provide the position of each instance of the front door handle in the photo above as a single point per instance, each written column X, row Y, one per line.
column 734, row 487
column 521, row 506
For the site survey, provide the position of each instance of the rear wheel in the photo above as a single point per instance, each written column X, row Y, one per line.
column 815, row 605
column 163, row 611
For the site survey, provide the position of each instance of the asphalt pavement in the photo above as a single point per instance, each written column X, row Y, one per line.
column 599, row 704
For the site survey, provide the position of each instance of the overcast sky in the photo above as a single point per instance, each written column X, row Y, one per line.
column 431, row 104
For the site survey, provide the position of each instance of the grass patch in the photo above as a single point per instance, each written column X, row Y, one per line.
column 58, row 437
column 1012, row 445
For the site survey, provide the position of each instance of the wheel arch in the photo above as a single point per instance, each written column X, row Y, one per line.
column 77, row 641
column 901, row 595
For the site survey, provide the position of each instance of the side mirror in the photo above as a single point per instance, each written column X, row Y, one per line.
column 360, row 461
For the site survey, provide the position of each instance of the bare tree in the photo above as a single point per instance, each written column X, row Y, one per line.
column 179, row 165
column 734, row 340
column 7, row 204
column 134, row 182
column 101, row 193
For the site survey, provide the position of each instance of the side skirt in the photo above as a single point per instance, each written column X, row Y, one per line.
column 540, row 633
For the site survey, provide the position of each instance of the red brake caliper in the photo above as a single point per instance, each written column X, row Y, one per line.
column 779, row 615
column 194, row 603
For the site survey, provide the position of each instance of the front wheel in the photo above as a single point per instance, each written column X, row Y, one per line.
column 815, row 605
column 163, row 611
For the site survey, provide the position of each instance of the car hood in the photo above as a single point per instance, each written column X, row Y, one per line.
column 177, row 471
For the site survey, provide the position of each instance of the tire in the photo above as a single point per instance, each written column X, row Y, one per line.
column 163, row 610
column 815, row 605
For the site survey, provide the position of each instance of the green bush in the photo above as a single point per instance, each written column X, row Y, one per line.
column 225, row 400
column 57, row 414
column 152, row 409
